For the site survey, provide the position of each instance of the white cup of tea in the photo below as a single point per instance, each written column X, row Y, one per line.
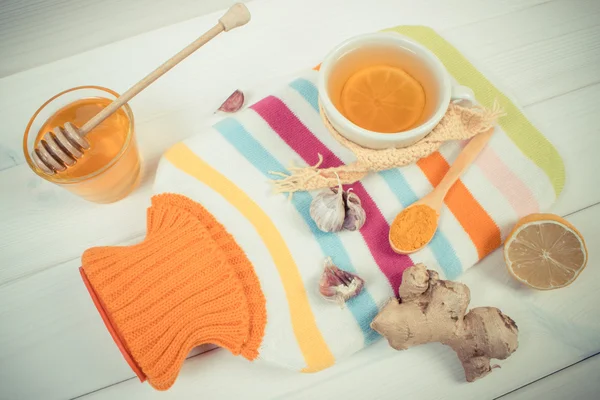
column 395, row 50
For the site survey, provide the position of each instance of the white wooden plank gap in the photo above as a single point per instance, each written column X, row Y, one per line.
column 578, row 381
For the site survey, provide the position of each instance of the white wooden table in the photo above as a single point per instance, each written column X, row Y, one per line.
column 53, row 345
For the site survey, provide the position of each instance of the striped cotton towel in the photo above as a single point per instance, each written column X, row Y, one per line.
column 227, row 171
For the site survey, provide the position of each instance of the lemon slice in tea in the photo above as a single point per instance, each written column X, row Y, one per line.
column 383, row 99
column 545, row 251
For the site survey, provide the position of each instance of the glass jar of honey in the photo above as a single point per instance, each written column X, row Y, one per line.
column 110, row 169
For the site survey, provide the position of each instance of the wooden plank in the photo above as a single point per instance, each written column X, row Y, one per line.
column 557, row 328
column 533, row 62
column 178, row 106
column 573, row 130
column 29, row 40
column 579, row 381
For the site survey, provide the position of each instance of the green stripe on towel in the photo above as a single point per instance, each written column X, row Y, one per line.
column 517, row 127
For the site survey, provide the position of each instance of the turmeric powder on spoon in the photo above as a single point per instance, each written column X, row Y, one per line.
column 413, row 228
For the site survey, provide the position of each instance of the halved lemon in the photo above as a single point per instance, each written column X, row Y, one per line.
column 545, row 251
column 382, row 98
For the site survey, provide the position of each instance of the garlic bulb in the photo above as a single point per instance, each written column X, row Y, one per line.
column 337, row 284
column 335, row 209
column 355, row 215
column 328, row 210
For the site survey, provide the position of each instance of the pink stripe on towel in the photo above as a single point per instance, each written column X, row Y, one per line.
column 507, row 182
column 306, row 145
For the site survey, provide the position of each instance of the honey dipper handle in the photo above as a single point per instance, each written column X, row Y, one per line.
column 237, row 15
column 468, row 154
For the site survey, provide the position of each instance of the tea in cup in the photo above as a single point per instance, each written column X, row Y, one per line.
column 384, row 90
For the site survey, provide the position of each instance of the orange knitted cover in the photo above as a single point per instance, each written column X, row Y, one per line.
column 188, row 283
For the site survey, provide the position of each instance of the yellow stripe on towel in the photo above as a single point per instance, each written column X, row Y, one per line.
column 314, row 349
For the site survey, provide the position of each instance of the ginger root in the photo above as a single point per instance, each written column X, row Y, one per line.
column 433, row 310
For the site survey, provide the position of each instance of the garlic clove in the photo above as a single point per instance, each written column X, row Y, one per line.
column 233, row 103
column 355, row 214
column 339, row 285
column 328, row 211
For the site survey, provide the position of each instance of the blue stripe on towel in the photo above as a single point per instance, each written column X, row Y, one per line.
column 362, row 307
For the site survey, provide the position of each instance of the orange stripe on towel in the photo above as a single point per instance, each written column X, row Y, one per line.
column 480, row 227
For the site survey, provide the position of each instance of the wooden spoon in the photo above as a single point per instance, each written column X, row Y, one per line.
column 60, row 149
column 435, row 199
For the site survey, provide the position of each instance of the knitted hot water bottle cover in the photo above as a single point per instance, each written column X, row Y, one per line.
column 228, row 262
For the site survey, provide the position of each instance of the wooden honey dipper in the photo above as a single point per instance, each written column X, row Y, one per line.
column 62, row 147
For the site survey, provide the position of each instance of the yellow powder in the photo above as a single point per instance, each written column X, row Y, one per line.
column 413, row 228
